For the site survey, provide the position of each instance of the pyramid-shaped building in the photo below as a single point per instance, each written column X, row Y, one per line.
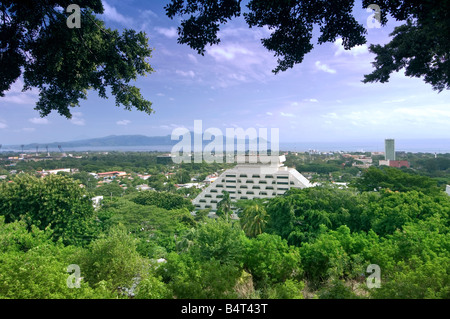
column 253, row 178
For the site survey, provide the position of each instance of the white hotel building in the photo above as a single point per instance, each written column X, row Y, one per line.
column 251, row 180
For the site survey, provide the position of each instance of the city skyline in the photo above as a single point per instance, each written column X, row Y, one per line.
column 320, row 100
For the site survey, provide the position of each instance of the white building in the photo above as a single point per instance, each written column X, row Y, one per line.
column 251, row 180
column 447, row 189
column 211, row 179
column 143, row 187
column 383, row 162
column 96, row 201
column 55, row 171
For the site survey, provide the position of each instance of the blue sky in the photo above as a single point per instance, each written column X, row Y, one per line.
column 320, row 100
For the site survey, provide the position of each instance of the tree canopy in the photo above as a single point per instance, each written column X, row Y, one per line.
column 317, row 243
column 55, row 202
column 420, row 46
column 88, row 57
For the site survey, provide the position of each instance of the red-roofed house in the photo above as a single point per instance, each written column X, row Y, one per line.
column 111, row 174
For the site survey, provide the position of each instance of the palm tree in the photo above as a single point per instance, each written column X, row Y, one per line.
column 254, row 220
column 225, row 204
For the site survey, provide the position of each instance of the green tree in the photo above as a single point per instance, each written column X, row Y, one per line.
column 182, row 177
column 415, row 261
column 393, row 210
column 337, row 289
column 157, row 229
column 33, row 266
column 290, row 289
column 164, row 200
column 210, row 266
column 91, row 57
column 113, row 260
column 89, row 181
column 298, row 214
column 291, row 22
column 151, row 287
column 420, row 46
column 253, row 220
column 394, row 179
column 270, row 260
column 224, row 205
column 190, row 278
column 109, row 190
column 322, row 259
column 219, row 240
column 55, row 202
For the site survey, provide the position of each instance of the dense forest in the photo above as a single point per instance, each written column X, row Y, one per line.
column 313, row 243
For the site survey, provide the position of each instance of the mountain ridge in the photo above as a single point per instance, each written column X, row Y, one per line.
column 115, row 140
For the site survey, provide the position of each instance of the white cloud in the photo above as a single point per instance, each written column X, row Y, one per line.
column 17, row 86
column 394, row 101
column 167, row 32
column 16, row 96
column 3, row 125
column 228, row 52
column 39, row 121
column 357, row 50
column 331, row 115
column 148, row 13
column 324, row 67
column 239, row 58
column 22, row 98
column 311, row 100
column 239, row 77
column 111, row 14
column 77, row 119
column 388, row 118
column 193, row 58
column 269, row 113
column 287, row 114
column 171, row 126
column 426, row 115
column 123, row 122
column 190, row 73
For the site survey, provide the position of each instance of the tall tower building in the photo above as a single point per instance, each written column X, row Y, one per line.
column 389, row 150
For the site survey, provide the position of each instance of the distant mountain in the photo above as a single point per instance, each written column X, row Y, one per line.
column 113, row 141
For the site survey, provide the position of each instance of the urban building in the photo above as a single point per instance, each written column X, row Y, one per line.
column 389, row 150
column 96, row 201
column 252, row 179
column 397, row 164
column 56, row 171
column 447, row 189
column 111, row 174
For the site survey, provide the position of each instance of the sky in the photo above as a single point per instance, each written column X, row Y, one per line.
column 232, row 86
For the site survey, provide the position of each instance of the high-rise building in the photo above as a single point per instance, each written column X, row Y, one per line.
column 251, row 180
column 389, row 150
